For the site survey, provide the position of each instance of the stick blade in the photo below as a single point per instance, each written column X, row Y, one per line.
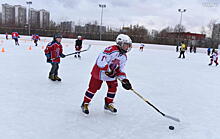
column 172, row 118
column 88, row 47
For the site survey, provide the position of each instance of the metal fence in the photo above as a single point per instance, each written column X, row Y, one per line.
column 110, row 36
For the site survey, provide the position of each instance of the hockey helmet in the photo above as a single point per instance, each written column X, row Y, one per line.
column 124, row 43
column 57, row 36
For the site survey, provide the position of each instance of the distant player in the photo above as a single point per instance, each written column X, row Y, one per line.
column 177, row 46
column 182, row 50
column 190, row 48
column 53, row 52
column 142, row 47
column 214, row 57
column 78, row 46
column 208, row 51
column 194, row 49
column 15, row 36
column 6, row 36
column 108, row 67
column 36, row 38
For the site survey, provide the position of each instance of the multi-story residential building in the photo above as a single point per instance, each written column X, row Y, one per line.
column 8, row 15
column 94, row 28
column 67, row 26
column 0, row 18
column 20, row 15
column 17, row 16
column 44, row 17
column 80, row 29
column 216, row 32
column 34, row 18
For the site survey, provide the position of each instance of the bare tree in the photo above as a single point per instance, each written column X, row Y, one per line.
column 203, row 30
column 179, row 28
column 166, row 30
column 210, row 26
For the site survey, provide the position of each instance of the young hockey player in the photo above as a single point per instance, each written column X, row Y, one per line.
column 78, row 46
column 109, row 67
column 182, row 50
column 15, row 36
column 214, row 57
column 208, row 51
column 142, row 47
column 36, row 38
column 53, row 53
column 6, row 36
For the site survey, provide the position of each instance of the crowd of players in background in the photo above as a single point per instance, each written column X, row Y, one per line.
column 181, row 47
column 212, row 52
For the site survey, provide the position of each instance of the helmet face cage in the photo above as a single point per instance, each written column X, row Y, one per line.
column 125, row 46
column 124, row 42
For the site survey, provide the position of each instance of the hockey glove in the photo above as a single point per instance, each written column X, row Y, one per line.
column 62, row 55
column 49, row 60
column 126, row 84
column 112, row 70
column 110, row 74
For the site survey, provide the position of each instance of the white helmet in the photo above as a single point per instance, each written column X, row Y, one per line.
column 124, row 42
column 79, row 37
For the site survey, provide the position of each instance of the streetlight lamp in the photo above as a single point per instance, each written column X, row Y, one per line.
column 100, row 28
column 29, row 25
column 181, row 14
column 180, row 24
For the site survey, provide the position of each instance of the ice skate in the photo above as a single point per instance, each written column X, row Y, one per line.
column 85, row 108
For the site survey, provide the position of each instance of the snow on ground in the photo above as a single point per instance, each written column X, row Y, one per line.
column 33, row 107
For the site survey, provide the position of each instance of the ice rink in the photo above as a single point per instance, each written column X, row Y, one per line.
column 33, row 107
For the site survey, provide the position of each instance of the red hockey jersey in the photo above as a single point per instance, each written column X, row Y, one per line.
column 54, row 50
column 14, row 35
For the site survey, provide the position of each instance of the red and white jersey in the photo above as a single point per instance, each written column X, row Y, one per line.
column 142, row 45
column 111, row 55
column 215, row 56
column 35, row 37
column 54, row 50
column 15, row 35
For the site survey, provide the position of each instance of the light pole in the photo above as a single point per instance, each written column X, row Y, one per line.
column 180, row 24
column 100, row 28
column 29, row 25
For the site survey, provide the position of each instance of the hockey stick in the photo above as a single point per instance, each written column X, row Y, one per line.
column 74, row 52
column 167, row 116
column 79, row 51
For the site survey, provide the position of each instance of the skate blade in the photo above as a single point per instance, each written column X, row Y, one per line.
column 109, row 112
column 85, row 115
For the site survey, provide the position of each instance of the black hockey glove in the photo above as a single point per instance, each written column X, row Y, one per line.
column 126, row 84
column 49, row 60
column 62, row 55
column 112, row 70
column 110, row 74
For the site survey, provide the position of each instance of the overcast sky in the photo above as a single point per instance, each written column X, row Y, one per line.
column 153, row 14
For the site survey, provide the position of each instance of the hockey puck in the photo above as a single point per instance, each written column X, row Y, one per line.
column 171, row 127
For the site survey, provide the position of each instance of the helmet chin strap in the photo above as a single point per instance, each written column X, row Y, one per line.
column 121, row 50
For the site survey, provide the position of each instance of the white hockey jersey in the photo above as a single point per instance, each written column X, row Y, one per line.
column 111, row 55
column 215, row 56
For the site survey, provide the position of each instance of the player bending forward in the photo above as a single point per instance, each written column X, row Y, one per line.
column 214, row 57
column 108, row 67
